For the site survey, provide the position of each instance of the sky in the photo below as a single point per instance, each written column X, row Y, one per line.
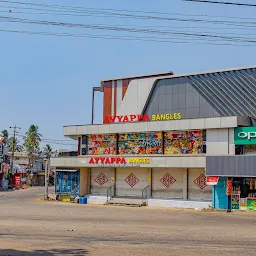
column 48, row 80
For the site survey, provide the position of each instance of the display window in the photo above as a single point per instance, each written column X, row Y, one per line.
column 140, row 143
column 99, row 144
column 185, row 142
column 243, row 194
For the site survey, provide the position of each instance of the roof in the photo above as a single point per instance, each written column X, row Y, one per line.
column 1, row 139
column 139, row 76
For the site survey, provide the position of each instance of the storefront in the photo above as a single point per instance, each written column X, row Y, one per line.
column 156, row 135
column 237, row 173
column 67, row 184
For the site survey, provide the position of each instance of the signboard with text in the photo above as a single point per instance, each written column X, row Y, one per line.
column 212, row 180
column 245, row 135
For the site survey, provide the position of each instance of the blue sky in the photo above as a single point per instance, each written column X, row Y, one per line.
column 48, row 80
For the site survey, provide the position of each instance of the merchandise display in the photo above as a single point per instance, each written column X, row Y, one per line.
column 140, row 143
column 100, row 144
column 184, row 142
column 243, row 194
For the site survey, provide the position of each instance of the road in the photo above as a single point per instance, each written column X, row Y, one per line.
column 29, row 226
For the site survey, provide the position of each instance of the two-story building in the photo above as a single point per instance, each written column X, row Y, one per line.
column 161, row 136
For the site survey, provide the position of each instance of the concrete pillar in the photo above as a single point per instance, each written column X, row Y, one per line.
column 185, row 185
column 83, row 181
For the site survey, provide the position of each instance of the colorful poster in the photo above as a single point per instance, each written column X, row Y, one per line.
column 251, row 204
column 140, row 143
column 101, row 144
column 184, row 142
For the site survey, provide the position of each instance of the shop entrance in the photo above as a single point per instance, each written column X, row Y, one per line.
column 101, row 179
column 167, row 182
column 131, row 181
column 243, row 195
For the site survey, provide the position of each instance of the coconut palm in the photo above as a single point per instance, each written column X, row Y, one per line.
column 32, row 142
column 5, row 134
column 47, row 151
column 13, row 144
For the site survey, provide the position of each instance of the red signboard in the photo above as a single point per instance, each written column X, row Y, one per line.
column 4, row 167
column 107, row 160
column 16, row 180
column 126, row 118
column 212, row 180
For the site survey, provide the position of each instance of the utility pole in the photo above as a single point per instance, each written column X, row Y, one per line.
column 46, row 179
column 14, row 144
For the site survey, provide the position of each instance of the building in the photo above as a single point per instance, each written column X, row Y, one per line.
column 167, row 140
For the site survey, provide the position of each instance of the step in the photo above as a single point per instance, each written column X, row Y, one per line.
column 126, row 201
column 119, row 204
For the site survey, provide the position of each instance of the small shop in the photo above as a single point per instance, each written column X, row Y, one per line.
column 67, row 184
column 243, row 196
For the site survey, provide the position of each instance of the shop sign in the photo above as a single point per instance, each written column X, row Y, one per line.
column 245, row 135
column 126, row 118
column 4, row 167
column 251, row 204
column 162, row 117
column 212, row 180
column 138, row 160
column 107, row 160
column 118, row 161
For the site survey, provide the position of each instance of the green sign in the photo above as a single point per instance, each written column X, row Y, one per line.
column 245, row 135
column 251, row 204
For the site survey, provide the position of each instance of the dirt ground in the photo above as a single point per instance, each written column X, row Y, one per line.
column 29, row 226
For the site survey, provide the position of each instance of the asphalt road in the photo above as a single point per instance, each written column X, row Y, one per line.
column 30, row 226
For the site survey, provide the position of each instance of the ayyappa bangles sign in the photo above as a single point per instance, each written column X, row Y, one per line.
column 141, row 118
column 118, row 161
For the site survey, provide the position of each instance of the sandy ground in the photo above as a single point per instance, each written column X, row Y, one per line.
column 29, row 226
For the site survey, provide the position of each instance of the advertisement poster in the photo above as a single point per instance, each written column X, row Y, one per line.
column 184, row 142
column 101, row 144
column 251, row 204
column 140, row 143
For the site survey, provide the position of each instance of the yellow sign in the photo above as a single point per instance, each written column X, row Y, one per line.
column 112, row 179
column 138, row 161
column 149, row 179
column 161, row 117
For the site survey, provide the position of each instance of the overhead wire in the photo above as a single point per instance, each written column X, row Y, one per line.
column 221, row 2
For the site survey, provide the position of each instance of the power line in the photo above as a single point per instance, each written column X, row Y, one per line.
column 105, row 12
column 220, row 2
column 109, row 37
column 127, row 29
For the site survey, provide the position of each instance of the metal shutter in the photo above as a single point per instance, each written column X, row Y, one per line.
column 101, row 179
column 197, row 188
column 131, row 181
column 167, row 182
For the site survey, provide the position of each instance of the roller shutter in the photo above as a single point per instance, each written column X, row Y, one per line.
column 131, row 181
column 167, row 182
column 101, row 179
column 197, row 188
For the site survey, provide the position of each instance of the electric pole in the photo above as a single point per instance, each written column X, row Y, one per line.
column 13, row 144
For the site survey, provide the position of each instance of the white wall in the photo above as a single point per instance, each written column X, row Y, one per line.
column 220, row 141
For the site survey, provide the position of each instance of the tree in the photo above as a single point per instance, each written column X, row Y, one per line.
column 5, row 134
column 14, row 144
column 32, row 142
column 47, row 151
column 32, row 139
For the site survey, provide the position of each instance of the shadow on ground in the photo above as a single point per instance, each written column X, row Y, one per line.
column 53, row 252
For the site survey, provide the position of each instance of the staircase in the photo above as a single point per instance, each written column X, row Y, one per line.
column 126, row 201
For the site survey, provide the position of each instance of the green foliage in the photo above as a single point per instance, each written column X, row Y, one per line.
column 14, row 144
column 5, row 134
column 32, row 139
column 47, row 151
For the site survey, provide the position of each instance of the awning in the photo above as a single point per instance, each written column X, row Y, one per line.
column 66, row 170
column 231, row 166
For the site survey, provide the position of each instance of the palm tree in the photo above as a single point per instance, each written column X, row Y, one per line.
column 32, row 142
column 5, row 134
column 13, row 144
column 47, row 151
